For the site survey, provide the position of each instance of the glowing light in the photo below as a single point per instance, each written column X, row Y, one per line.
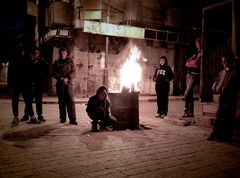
column 131, row 71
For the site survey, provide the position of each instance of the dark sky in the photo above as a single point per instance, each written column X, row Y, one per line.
column 12, row 23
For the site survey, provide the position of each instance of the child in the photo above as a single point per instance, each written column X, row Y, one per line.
column 163, row 75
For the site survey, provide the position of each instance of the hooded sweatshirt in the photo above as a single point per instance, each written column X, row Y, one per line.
column 163, row 75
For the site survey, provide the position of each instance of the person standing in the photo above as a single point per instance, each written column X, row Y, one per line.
column 64, row 71
column 19, row 81
column 162, row 76
column 193, row 72
column 98, row 109
column 39, row 73
column 227, row 86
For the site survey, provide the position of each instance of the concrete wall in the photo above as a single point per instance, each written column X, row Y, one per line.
column 90, row 66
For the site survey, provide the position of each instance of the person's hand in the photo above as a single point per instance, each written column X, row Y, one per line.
column 65, row 81
column 214, row 87
column 154, row 79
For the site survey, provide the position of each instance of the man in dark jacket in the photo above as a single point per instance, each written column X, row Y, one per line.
column 227, row 85
column 19, row 81
column 163, row 75
column 39, row 69
column 98, row 109
column 64, row 71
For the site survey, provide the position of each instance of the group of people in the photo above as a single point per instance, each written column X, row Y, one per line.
column 164, row 75
column 26, row 76
column 226, row 86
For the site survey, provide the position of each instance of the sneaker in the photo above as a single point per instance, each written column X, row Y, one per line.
column 41, row 118
column 162, row 116
column 158, row 116
column 24, row 118
column 109, row 128
column 15, row 121
column 95, row 128
column 33, row 120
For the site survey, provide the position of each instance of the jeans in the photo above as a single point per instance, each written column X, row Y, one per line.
column 25, row 91
column 191, row 81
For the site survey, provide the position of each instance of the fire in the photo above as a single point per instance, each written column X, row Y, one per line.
column 131, row 71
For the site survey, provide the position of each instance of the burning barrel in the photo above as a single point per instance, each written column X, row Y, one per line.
column 125, row 107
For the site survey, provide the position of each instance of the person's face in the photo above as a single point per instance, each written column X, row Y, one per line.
column 162, row 62
column 102, row 95
column 63, row 54
column 36, row 54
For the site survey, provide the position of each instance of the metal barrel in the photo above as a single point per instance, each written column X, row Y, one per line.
column 125, row 107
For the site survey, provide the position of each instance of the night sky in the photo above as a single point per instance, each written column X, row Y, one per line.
column 12, row 24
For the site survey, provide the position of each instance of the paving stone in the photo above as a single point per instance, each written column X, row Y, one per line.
column 170, row 147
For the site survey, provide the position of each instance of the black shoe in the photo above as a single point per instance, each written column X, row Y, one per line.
column 33, row 120
column 73, row 123
column 102, row 126
column 187, row 115
column 212, row 138
column 223, row 139
column 95, row 127
column 95, row 130
column 62, row 121
column 41, row 118
column 24, row 118
column 15, row 121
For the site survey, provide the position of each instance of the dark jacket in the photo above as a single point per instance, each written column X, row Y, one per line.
column 19, row 72
column 227, row 85
column 63, row 68
column 40, row 69
column 97, row 108
column 162, row 76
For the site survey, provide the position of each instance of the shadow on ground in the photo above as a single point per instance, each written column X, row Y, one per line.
column 17, row 135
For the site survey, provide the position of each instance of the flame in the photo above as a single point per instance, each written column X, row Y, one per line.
column 131, row 71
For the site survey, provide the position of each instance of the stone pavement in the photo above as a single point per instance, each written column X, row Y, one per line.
column 161, row 149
